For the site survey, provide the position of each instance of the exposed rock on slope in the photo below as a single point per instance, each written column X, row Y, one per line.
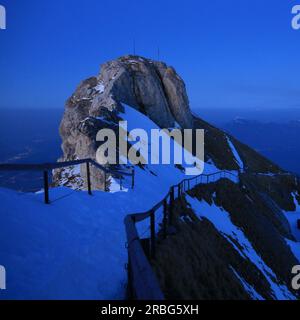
column 231, row 245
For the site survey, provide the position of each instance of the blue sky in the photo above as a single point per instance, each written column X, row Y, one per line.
column 233, row 53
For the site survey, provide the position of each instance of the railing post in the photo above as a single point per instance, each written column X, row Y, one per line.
column 152, row 229
column 46, row 187
column 171, row 206
column 132, row 178
column 105, row 184
column 130, row 290
column 121, row 186
column 165, row 219
column 88, row 175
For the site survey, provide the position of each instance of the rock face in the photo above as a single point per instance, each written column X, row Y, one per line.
column 151, row 87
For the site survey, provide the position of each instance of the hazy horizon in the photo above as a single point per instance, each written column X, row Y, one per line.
column 32, row 136
column 216, row 115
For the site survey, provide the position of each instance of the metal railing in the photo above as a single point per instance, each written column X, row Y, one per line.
column 44, row 168
column 142, row 282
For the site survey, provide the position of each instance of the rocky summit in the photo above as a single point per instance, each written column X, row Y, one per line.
column 151, row 87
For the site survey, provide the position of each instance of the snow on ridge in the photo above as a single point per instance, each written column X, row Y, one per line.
column 222, row 222
column 106, row 121
column 248, row 288
column 100, row 87
column 235, row 153
column 293, row 216
column 115, row 186
column 177, row 125
column 71, row 177
column 295, row 248
column 136, row 119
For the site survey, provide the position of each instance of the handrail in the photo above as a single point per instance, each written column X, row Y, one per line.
column 142, row 282
column 53, row 165
column 46, row 167
column 207, row 177
column 39, row 166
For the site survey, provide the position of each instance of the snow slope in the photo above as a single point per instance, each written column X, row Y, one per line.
column 222, row 222
column 236, row 155
column 251, row 291
column 74, row 248
column 292, row 217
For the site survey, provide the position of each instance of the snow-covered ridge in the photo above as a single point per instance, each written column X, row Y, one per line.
column 248, row 288
column 293, row 216
column 100, row 87
column 236, row 155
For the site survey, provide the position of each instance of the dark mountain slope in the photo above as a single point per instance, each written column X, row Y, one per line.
column 217, row 149
column 198, row 261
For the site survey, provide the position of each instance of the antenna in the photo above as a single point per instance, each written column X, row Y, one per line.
column 2, row 18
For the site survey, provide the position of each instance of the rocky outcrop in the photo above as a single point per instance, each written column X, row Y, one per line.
column 151, row 87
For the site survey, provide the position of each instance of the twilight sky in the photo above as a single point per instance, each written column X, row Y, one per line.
column 233, row 53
